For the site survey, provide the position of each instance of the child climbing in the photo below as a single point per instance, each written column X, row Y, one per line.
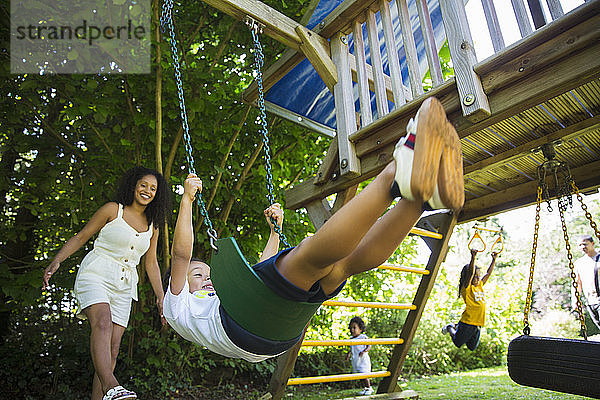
column 107, row 278
column 427, row 168
column 361, row 362
column 470, row 288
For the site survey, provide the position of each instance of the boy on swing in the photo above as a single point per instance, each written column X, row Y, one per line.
column 426, row 172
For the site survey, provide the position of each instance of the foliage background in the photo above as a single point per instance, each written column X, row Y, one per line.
column 65, row 140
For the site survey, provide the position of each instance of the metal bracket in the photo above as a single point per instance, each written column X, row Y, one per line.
column 254, row 24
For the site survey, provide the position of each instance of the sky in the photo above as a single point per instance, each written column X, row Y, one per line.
column 508, row 23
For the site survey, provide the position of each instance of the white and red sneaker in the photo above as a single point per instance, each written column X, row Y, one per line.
column 429, row 160
column 119, row 393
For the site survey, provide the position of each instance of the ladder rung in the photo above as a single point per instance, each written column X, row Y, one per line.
column 367, row 304
column 480, row 228
column 337, row 378
column 423, row 232
column 404, row 269
column 352, row 342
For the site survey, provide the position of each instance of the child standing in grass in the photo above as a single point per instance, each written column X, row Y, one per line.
column 361, row 362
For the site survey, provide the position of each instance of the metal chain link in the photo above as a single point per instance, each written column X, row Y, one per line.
column 166, row 22
column 585, row 210
column 571, row 268
column 527, row 329
column 256, row 30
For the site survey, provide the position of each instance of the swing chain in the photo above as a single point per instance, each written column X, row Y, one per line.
column 527, row 329
column 585, row 210
column 166, row 22
column 256, row 29
column 573, row 277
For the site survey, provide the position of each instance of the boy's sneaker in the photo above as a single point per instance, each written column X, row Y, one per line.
column 446, row 329
column 366, row 391
column 450, row 190
column 119, row 393
column 429, row 160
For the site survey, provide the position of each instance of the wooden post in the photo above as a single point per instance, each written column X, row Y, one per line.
column 364, row 95
column 429, row 39
column 439, row 247
column 410, row 50
column 283, row 370
column 555, row 8
column 378, row 76
column 522, row 17
column 318, row 55
column 493, row 24
column 473, row 100
column 392, row 53
column 344, row 106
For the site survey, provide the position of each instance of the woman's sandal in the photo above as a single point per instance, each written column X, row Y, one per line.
column 119, row 393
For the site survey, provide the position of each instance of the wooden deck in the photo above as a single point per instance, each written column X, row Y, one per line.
column 542, row 89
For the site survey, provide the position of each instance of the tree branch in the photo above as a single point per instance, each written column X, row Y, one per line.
column 238, row 185
column 135, row 131
column 224, row 43
column 226, row 156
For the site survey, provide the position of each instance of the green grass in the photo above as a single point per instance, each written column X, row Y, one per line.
column 488, row 383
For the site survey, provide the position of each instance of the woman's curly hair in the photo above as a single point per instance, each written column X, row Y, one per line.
column 157, row 209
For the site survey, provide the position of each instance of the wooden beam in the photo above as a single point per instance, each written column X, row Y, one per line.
column 586, row 177
column 537, row 87
column 318, row 55
column 570, row 132
column 403, row 394
column 276, row 25
column 283, row 370
column 340, row 19
column 521, row 59
column 329, row 164
column 474, row 101
column 319, row 212
column 310, row 11
column 344, row 107
column 445, row 224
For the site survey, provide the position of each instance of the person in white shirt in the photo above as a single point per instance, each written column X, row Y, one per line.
column 426, row 171
column 359, row 353
column 587, row 275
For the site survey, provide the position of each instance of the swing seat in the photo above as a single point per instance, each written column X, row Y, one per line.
column 563, row 365
column 250, row 302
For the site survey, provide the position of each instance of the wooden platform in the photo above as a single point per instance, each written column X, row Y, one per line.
column 542, row 89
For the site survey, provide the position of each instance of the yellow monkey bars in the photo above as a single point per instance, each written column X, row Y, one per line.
column 352, row 342
column 369, row 304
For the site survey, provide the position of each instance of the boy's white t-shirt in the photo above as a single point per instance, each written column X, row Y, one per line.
column 195, row 316
column 360, row 363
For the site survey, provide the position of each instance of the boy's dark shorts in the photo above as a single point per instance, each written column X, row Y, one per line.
column 271, row 277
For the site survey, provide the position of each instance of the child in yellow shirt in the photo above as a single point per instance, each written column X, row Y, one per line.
column 470, row 288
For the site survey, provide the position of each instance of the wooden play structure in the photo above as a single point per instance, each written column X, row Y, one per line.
column 543, row 89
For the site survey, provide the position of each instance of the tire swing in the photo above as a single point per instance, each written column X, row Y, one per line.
column 243, row 294
column 562, row 365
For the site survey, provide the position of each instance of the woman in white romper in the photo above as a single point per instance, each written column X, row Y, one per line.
column 107, row 278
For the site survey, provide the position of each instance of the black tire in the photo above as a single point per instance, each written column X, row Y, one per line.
column 562, row 365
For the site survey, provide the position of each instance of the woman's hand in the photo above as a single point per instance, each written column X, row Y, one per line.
column 275, row 212
column 192, row 185
column 48, row 272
